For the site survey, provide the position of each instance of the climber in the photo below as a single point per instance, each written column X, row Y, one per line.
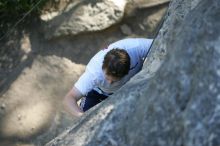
column 106, row 72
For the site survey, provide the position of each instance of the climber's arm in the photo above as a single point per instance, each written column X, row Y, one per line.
column 70, row 102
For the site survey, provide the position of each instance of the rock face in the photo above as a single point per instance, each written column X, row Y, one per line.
column 176, row 104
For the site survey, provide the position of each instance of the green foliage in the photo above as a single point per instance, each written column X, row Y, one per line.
column 12, row 11
column 19, row 7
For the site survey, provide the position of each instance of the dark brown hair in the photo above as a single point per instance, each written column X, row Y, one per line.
column 116, row 63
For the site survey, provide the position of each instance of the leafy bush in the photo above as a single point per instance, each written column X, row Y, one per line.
column 20, row 7
column 12, row 11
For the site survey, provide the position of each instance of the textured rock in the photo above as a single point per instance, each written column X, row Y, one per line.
column 133, row 5
column 81, row 17
column 86, row 16
column 149, row 3
column 177, row 106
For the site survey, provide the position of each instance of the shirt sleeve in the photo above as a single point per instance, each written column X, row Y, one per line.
column 85, row 83
column 144, row 48
column 139, row 46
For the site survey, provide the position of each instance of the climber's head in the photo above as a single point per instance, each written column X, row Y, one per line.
column 116, row 65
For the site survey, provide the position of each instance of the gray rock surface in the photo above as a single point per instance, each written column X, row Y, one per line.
column 176, row 104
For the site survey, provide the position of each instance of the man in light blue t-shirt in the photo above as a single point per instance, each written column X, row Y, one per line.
column 106, row 72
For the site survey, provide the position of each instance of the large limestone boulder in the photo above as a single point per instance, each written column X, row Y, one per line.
column 86, row 16
column 32, row 104
column 81, row 17
column 176, row 104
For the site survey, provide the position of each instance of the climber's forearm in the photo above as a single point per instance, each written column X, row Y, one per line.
column 70, row 102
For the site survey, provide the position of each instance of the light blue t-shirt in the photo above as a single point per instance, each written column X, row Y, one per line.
column 93, row 77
